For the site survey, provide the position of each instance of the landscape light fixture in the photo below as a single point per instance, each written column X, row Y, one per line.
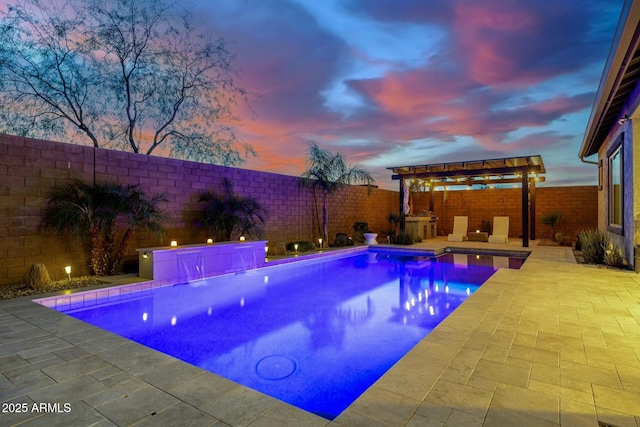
column 320, row 243
column 242, row 238
column 174, row 243
column 209, row 241
column 67, row 270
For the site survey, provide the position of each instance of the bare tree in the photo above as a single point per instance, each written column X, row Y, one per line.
column 132, row 74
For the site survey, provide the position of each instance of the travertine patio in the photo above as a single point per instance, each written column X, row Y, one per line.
column 554, row 343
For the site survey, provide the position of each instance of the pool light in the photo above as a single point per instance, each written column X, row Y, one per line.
column 67, row 270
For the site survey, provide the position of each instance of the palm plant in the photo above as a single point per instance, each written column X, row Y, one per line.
column 226, row 213
column 552, row 219
column 98, row 214
column 329, row 173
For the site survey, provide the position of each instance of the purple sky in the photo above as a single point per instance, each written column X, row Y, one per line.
column 392, row 83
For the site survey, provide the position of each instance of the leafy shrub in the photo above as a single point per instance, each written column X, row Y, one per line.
column 38, row 277
column 278, row 249
column 343, row 240
column 563, row 239
column 359, row 229
column 593, row 243
column 404, row 238
column 303, row 246
column 614, row 256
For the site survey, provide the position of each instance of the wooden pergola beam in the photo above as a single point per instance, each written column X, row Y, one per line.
column 481, row 172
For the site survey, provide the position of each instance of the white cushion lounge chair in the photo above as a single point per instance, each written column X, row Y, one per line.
column 460, row 226
column 500, row 230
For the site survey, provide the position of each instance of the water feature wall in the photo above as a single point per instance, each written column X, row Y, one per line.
column 194, row 262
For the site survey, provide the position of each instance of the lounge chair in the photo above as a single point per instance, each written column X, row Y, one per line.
column 500, row 230
column 460, row 226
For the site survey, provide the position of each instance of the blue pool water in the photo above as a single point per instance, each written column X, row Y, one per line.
column 313, row 334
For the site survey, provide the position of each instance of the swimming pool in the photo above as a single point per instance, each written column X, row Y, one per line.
column 314, row 334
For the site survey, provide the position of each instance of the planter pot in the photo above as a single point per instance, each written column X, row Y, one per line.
column 370, row 238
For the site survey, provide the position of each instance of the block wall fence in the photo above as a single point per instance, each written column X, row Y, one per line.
column 578, row 205
column 30, row 168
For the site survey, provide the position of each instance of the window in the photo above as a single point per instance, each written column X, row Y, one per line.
column 615, row 187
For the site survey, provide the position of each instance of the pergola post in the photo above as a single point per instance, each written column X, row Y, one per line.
column 532, row 208
column 525, row 209
column 431, row 201
column 401, row 206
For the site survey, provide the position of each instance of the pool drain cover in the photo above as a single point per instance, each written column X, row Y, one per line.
column 275, row 367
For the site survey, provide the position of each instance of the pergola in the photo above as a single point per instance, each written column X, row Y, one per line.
column 525, row 170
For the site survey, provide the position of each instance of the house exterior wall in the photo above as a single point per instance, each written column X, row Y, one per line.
column 635, row 186
column 630, row 237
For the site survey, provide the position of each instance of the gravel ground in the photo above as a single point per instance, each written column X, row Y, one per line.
column 22, row 290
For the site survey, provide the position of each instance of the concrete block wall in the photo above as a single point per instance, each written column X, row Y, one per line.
column 578, row 205
column 30, row 168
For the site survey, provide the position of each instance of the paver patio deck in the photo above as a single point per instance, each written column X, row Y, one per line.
column 554, row 343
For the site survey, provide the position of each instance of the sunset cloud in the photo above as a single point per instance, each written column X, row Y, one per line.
column 391, row 83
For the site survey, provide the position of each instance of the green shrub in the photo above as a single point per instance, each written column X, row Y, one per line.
column 563, row 239
column 614, row 256
column 38, row 277
column 359, row 229
column 303, row 246
column 593, row 244
column 404, row 238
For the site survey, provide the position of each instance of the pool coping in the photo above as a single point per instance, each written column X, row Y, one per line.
column 81, row 297
column 43, row 354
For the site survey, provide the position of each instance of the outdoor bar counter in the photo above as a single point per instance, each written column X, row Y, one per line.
column 425, row 227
